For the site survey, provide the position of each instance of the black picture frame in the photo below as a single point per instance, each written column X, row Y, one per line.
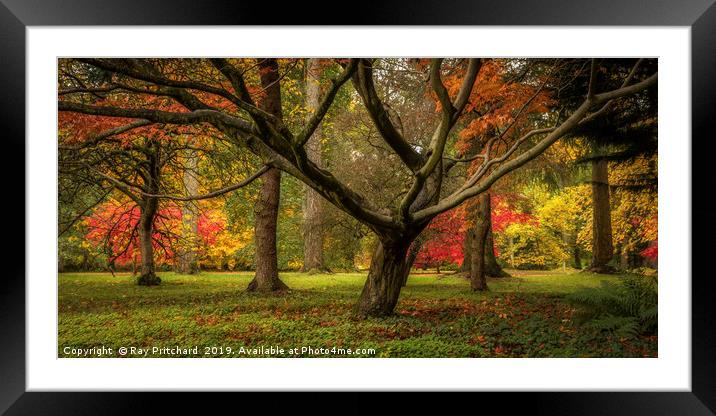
column 15, row 15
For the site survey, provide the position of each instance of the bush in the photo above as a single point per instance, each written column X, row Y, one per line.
column 452, row 267
column 528, row 246
column 626, row 309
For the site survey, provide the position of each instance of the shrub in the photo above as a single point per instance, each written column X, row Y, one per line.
column 626, row 309
column 530, row 246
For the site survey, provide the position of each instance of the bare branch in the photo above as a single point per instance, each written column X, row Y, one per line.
column 463, row 95
column 449, row 116
column 570, row 123
column 81, row 214
column 124, row 187
column 108, row 133
column 134, row 69
column 94, row 91
column 363, row 82
column 322, row 109
column 235, row 77
column 212, row 194
column 437, row 85
column 608, row 105
column 158, row 116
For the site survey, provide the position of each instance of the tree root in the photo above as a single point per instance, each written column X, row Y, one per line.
column 276, row 286
column 149, row 279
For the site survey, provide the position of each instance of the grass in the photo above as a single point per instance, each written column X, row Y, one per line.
column 437, row 316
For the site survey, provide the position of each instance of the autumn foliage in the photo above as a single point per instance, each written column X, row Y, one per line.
column 445, row 236
column 507, row 99
column 112, row 229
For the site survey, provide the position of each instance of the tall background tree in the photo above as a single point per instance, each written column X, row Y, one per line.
column 266, row 207
column 187, row 262
column 314, row 212
column 621, row 133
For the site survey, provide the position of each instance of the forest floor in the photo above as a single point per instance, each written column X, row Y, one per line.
column 437, row 316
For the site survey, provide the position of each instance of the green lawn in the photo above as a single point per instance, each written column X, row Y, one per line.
column 437, row 316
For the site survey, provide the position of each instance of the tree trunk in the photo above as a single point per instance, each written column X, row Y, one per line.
column 478, row 279
column 623, row 259
column 467, row 251
column 266, row 207
column 601, row 218
column 511, row 245
column 577, row 258
column 313, row 212
column 472, row 150
column 388, row 266
column 266, row 213
column 385, row 278
column 492, row 268
column 85, row 261
column 565, row 240
column 147, row 276
column 186, row 258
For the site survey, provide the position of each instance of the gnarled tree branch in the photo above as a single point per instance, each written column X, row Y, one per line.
column 363, row 82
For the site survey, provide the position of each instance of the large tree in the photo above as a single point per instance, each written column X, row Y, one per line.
column 145, row 165
column 136, row 166
column 314, row 212
column 621, row 132
column 265, row 134
column 187, row 262
column 266, row 207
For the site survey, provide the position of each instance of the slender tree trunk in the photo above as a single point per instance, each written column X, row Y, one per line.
column 469, row 233
column 314, row 207
column 385, row 278
column 623, row 259
column 85, row 261
column 565, row 240
column 147, row 276
column 467, row 251
column 577, row 258
column 603, row 249
column 186, row 258
column 511, row 244
column 478, row 279
column 266, row 207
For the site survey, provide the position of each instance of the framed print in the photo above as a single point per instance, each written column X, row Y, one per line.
column 310, row 212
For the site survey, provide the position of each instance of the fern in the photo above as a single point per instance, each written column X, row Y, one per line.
column 625, row 309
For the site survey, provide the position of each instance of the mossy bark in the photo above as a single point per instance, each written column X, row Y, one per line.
column 385, row 278
column 266, row 206
column 603, row 250
column 147, row 276
column 313, row 213
column 478, row 279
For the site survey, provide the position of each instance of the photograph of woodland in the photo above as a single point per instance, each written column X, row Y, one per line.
column 357, row 207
